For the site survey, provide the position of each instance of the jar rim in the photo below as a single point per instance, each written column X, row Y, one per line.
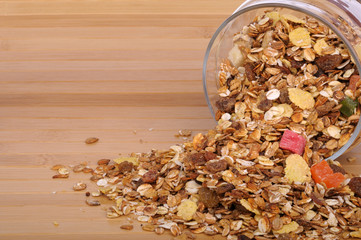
column 240, row 10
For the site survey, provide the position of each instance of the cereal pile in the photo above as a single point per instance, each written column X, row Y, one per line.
column 288, row 99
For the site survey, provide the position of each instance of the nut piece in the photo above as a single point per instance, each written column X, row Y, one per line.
column 91, row 140
column 79, row 186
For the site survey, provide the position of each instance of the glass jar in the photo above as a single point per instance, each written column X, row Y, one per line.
column 343, row 17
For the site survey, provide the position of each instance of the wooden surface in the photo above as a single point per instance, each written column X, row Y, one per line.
column 127, row 72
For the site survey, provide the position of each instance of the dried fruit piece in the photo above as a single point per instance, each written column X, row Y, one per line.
column 91, row 140
column 297, row 169
column 251, row 75
column 150, row 176
column 125, row 167
column 334, row 180
column 293, row 142
column 103, row 162
column 215, row 166
column 226, row 104
column 300, row 37
column 208, row 197
column 348, row 106
column 328, row 62
column 301, row 98
column 264, row 104
column 355, row 185
column 186, row 209
column 322, row 172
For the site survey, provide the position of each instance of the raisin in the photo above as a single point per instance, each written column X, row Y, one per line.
column 283, row 69
column 317, row 198
column 226, row 104
column 236, row 125
column 216, row 166
column 224, row 188
column 355, row 185
column 162, row 199
column 125, row 167
column 208, row 197
column 251, row 75
column 197, row 159
column 336, row 168
column 322, row 110
column 328, row 62
column 297, row 64
column 264, row 104
column 150, row 176
column 243, row 237
column 262, row 80
column 284, row 96
column 210, row 156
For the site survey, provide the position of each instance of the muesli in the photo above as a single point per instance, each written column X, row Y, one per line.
column 289, row 98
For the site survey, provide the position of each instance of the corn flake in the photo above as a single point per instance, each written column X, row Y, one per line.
column 292, row 226
column 301, row 98
column 319, row 46
column 293, row 18
column 275, row 16
column 300, row 37
column 186, row 209
column 297, row 169
column 133, row 160
column 248, row 206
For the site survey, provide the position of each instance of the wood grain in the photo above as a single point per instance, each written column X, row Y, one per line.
column 125, row 71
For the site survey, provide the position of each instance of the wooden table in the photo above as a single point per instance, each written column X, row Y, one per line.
column 125, row 71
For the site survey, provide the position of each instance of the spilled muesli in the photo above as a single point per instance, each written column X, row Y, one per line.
column 288, row 99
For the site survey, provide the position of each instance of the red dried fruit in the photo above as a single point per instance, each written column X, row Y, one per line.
column 150, row 176
column 293, row 142
column 322, row 172
column 355, row 185
column 208, row 197
column 226, row 104
column 334, row 180
column 328, row 62
column 216, row 166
